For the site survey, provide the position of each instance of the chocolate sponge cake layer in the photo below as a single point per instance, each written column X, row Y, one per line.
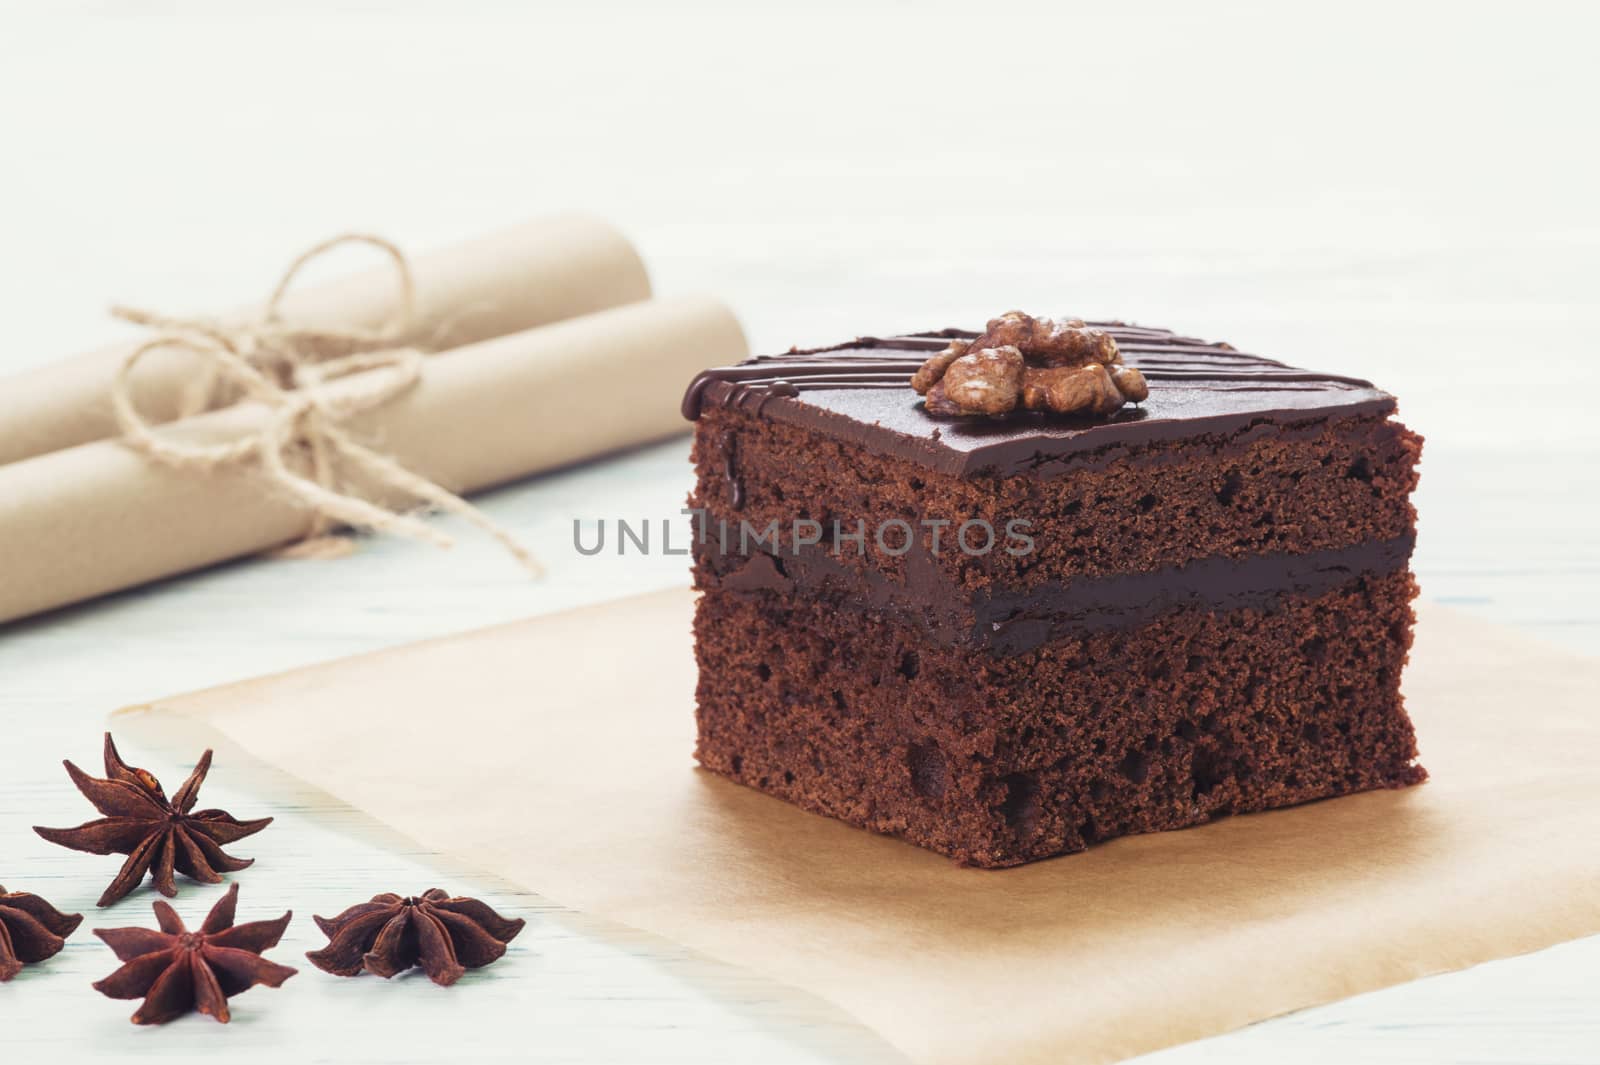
column 1271, row 489
column 1207, row 612
column 998, row 761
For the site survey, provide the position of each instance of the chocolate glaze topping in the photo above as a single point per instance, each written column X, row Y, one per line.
column 860, row 391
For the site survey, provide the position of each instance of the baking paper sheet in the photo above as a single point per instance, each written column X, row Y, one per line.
column 569, row 737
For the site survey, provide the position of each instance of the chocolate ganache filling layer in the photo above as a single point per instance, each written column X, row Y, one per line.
column 859, row 392
column 1008, row 622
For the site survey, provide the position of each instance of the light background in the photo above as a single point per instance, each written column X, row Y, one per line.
column 1402, row 191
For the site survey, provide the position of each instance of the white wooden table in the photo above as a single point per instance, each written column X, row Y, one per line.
column 1405, row 204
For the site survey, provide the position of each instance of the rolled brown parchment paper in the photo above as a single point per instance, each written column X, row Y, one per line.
column 97, row 518
column 543, row 271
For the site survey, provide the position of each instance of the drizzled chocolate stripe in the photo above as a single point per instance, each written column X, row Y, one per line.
column 1165, row 358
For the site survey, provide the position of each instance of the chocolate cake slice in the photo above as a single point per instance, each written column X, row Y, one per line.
column 1013, row 635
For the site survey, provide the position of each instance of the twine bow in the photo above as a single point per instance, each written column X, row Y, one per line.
column 288, row 370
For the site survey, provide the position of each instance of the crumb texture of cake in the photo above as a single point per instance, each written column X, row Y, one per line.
column 1328, row 485
column 999, row 761
column 1210, row 617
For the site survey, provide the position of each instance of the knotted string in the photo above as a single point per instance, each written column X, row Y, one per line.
column 288, row 369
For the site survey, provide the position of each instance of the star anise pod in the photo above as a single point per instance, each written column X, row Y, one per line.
column 445, row 936
column 31, row 930
column 159, row 835
column 176, row 970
